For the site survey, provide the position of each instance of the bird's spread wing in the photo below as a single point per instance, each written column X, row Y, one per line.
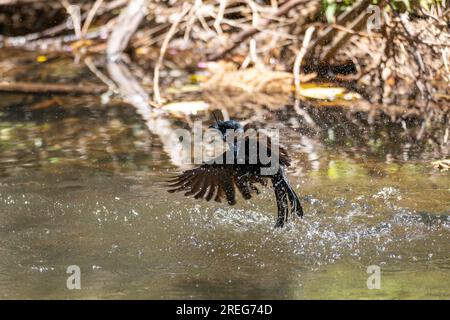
column 283, row 156
column 215, row 181
column 246, row 184
column 207, row 181
column 269, row 148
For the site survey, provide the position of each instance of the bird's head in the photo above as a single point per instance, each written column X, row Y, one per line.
column 227, row 127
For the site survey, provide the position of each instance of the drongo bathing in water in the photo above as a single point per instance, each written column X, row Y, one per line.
column 241, row 167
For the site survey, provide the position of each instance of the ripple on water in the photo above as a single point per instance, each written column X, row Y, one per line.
column 352, row 228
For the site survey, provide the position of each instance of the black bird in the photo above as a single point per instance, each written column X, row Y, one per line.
column 218, row 178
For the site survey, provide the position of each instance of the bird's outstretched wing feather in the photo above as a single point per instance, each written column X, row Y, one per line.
column 207, row 181
column 216, row 181
column 282, row 154
column 269, row 148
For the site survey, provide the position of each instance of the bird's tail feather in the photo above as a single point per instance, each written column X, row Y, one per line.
column 294, row 201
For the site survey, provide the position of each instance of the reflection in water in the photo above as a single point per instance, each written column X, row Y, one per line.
column 131, row 240
column 94, row 197
column 82, row 184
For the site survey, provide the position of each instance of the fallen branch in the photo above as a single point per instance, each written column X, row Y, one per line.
column 342, row 37
column 297, row 64
column 19, row 41
column 165, row 44
column 51, row 88
column 127, row 25
column 299, row 58
column 245, row 34
column 16, row 2
column 329, row 32
column 131, row 90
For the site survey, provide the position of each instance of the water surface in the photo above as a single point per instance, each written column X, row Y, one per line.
column 81, row 183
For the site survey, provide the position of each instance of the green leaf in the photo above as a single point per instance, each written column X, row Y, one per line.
column 330, row 11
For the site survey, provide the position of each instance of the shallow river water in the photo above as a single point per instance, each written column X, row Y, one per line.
column 86, row 188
